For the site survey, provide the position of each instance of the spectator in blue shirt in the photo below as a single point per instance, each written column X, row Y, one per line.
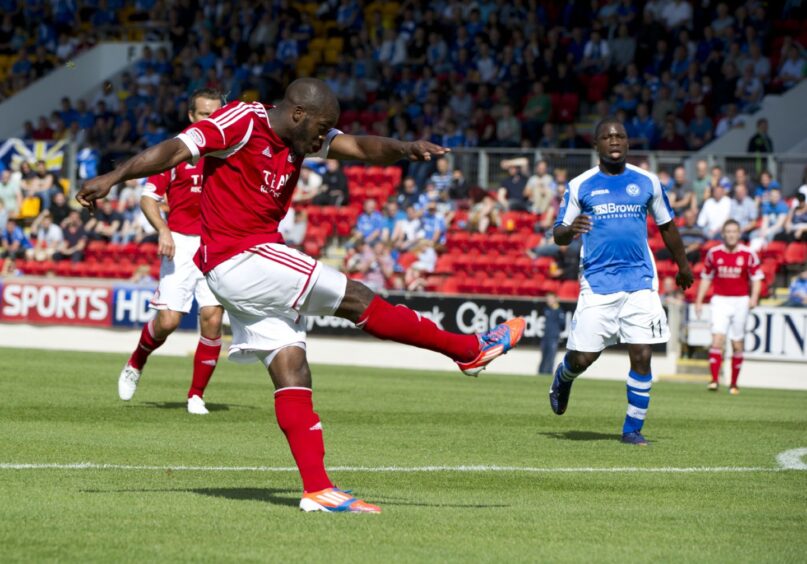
column 433, row 226
column 700, row 128
column 22, row 66
column 797, row 296
column 369, row 225
column 14, row 243
column 642, row 128
column 68, row 113
column 766, row 184
column 442, row 176
column 773, row 213
column 85, row 118
column 393, row 215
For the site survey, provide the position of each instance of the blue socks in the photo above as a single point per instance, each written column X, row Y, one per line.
column 638, row 399
column 566, row 374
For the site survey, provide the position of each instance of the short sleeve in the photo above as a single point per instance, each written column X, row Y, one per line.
column 754, row 267
column 326, row 145
column 708, row 267
column 570, row 207
column 157, row 185
column 223, row 133
column 659, row 204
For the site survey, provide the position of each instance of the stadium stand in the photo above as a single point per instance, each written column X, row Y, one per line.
column 506, row 75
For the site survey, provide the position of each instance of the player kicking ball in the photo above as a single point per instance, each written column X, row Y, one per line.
column 180, row 279
column 619, row 302
column 253, row 158
column 732, row 267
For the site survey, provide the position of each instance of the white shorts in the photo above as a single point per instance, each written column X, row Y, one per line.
column 602, row 320
column 729, row 316
column 266, row 291
column 181, row 280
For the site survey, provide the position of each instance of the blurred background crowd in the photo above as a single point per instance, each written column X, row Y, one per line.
column 518, row 74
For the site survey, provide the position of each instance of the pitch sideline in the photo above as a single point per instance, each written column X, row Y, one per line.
column 787, row 460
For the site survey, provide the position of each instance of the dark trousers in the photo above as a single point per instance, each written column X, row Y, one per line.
column 549, row 348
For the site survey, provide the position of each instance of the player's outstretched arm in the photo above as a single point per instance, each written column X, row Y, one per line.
column 672, row 239
column 381, row 150
column 153, row 160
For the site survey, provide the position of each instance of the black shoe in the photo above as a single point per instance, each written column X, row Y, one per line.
column 559, row 392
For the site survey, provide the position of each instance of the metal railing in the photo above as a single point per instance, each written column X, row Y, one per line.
column 483, row 166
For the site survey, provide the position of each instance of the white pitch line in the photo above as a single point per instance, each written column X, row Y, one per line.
column 395, row 469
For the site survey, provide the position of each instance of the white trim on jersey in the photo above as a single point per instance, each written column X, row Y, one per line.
column 150, row 191
column 195, row 155
column 573, row 204
column 226, row 153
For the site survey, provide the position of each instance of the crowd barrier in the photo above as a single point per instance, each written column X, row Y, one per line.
column 773, row 333
column 100, row 303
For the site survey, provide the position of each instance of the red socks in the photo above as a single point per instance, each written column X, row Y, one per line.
column 204, row 363
column 715, row 361
column 399, row 323
column 736, row 364
column 145, row 346
column 298, row 421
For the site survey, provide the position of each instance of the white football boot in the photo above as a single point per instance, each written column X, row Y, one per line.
column 127, row 382
column 196, row 405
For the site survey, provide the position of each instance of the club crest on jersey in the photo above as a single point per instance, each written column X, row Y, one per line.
column 196, row 136
column 291, row 157
column 267, row 152
column 739, row 261
column 632, row 189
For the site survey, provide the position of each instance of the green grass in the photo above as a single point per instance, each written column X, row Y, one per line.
column 63, row 408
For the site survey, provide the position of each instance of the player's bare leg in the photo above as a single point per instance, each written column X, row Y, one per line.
column 737, row 349
column 381, row 319
column 573, row 364
column 640, row 380
column 297, row 419
column 716, row 359
column 152, row 337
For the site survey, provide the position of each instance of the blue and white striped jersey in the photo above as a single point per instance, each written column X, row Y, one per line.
column 615, row 256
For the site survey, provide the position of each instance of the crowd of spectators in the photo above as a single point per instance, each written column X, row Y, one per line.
column 489, row 72
column 397, row 245
column 38, row 223
column 463, row 74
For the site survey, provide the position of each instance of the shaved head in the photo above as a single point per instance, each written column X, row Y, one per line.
column 314, row 96
column 309, row 109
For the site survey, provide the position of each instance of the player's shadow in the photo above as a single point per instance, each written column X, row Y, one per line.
column 266, row 495
column 582, row 436
column 184, row 405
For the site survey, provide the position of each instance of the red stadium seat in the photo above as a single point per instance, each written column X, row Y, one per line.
column 796, row 253
column 569, row 290
column 775, row 250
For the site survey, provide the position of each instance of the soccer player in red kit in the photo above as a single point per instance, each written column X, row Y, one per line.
column 734, row 269
column 253, row 158
column 180, row 279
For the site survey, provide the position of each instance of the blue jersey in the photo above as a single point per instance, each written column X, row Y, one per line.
column 615, row 256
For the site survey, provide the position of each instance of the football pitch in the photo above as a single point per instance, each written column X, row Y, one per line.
column 465, row 470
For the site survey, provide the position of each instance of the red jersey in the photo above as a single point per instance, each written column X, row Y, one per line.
column 731, row 272
column 182, row 187
column 250, row 175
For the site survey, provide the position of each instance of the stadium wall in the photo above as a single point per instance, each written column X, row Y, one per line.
column 787, row 122
column 99, row 316
column 77, row 79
